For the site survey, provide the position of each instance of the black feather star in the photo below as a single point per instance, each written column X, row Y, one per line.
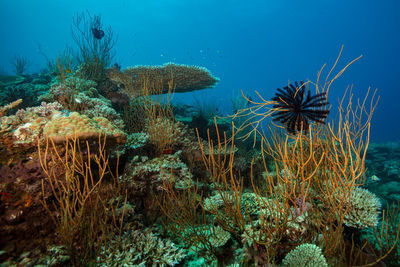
column 295, row 107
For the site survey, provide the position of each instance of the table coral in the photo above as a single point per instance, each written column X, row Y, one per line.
column 186, row 78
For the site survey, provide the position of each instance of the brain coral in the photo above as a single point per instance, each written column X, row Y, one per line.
column 61, row 127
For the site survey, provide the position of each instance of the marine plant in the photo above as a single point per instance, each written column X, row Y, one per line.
column 159, row 120
column 382, row 241
column 64, row 91
column 20, row 64
column 261, row 110
column 187, row 219
column 133, row 116
column 83, row 206
column 324, row 166
column 53, row 64
column 308, row 193
column 95, row 44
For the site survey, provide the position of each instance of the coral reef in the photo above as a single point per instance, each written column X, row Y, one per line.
column 27, row 88
column 219, row 237
column 103, row 172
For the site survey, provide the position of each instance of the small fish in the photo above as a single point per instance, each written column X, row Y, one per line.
column 375, row 178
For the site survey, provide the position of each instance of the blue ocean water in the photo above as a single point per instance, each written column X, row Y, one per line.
column 249, row 45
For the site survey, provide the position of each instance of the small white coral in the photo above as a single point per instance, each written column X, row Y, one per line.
column 305, row 255
column 216, row 235
column 213, row 203
column 141, row 248
column 219, row 237
column 364, row 209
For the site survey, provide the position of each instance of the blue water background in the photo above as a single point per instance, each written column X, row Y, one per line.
column 250, row 45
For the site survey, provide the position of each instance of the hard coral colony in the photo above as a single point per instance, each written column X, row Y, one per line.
column 108, row 171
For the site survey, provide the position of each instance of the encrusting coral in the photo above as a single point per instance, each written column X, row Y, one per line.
column 61, row 127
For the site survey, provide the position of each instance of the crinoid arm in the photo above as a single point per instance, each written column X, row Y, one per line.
column 296, row 108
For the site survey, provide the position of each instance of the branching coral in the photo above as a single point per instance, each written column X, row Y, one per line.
column 67, row 89
column 44, row 110
column 306, row 255
column 27, row 91
column 138, row 248
column 9, row 106
column 364, row 208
